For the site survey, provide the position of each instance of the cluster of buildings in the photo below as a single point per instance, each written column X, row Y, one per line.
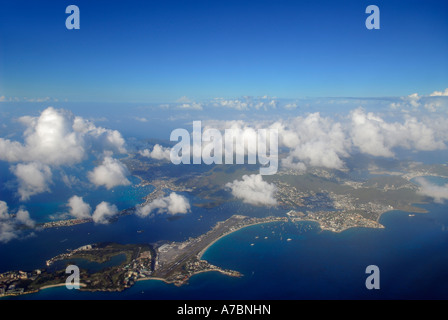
column 289, row 196
column 10, row 281
column 64, row 223
column 338, row 221
column 67, row 255
column 139, row 268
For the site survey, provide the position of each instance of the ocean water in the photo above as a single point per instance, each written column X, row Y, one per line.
column 411, row 253
column 46, row 206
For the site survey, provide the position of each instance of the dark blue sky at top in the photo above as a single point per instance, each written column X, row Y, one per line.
column 156, row 51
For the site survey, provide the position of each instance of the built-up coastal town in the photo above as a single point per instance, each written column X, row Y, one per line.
column 172, row 262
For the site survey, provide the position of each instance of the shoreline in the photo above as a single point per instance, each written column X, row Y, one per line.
column 82, row 285
column 202, row 252
column 194, row 274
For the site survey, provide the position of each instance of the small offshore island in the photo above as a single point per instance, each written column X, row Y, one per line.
column 332, row 198
column 172, row 262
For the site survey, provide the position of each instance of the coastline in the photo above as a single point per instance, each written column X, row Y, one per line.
column 59, row 285
column 163, row 280
column 40, row 289
column 202, row 252
column 179, row 284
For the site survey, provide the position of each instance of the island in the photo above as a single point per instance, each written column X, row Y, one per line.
column 172, row 262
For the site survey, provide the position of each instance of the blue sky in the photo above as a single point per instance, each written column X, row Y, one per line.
column 159, row 51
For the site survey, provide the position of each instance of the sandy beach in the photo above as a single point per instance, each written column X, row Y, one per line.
column 200, row 254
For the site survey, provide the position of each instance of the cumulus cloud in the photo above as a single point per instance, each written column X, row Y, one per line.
column 233, row 104
column 253, row 190
column 104, row 212
column 440, row 93
column 437, row 192
column 413, row 100
column 110, row 173
column 246, row 103
column 374, row 136
column 57, row 137
column 434, row 105
column 99, row 138
column 173, row 204
column 158, row 153
column 4, row 210
column 48, row 139
column 242, row 104
column 316, row 140
column 10, row 227
column 411, row 103
column 191, row 106
column 7, row 232
column 313, row 140
column 308, row 140
column 23, row 217
column 368, row 134
column 78, row 208
column 33, row 178
column 53, row 139
column 407, row 103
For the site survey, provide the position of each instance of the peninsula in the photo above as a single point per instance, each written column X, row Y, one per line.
column 116, row 267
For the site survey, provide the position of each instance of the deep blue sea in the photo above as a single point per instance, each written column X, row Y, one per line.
column 411, row 252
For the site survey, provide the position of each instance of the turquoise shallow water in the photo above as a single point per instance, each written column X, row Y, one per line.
column 48, row 205
column 411, row 252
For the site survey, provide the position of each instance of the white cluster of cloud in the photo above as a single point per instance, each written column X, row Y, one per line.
column 23, row 217
column 158, row 152
column 33, row 178
column 9, row 225
column 191, row 106
column 432, row 102
column 4, row 210
column 374, row 136
column 82, row 210
column 309, row 140
column 437, row 192
column 247, row 136
column 103, row 212
column 111, row 173
column 173, row 204
column 240, row 104
column 254, row 190
column 315, row 140
column 440, row 93
column 57, row 137
column 246, row 103
column 26, row 99
column 78, row 208
column 53, row 139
